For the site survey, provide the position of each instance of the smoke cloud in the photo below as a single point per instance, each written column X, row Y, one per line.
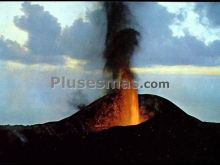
column 121, row 39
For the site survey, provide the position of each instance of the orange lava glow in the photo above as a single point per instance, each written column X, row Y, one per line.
column 121, row 109
column 130, row 113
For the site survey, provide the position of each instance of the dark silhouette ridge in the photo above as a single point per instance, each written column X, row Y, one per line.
column 171, row 136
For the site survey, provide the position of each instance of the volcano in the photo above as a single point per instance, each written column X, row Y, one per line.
column 167, row 135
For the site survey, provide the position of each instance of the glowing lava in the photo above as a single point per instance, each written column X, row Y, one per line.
column 120, row 108
column 130, row 113
column 129, row 106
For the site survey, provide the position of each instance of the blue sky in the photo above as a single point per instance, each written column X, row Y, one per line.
column 180, row 42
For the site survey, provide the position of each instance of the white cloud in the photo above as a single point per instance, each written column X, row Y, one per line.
column 158, row 46
column 188, row 21
column 73, row 11
column 48, row 43
column 176, row 8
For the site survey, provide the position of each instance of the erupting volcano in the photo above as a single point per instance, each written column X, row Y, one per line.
column 116, row 127
column 121, row 41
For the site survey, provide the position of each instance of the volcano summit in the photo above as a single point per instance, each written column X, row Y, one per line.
column 166, row 135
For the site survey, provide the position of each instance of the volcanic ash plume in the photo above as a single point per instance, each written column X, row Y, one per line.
column 121, row 41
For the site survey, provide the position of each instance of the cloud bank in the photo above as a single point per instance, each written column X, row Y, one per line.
column 48, row 43
column 186, row 33
column 176, row 38
column 175, row 34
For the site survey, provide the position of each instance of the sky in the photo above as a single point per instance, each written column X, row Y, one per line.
column 180, row 43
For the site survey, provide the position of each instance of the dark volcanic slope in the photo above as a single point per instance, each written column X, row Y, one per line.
column 171, row 136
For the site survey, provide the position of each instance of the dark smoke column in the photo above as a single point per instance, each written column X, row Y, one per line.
column 121, row 39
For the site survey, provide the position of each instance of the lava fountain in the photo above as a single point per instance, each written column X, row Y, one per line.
column 129, row 101
column 121, row 41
